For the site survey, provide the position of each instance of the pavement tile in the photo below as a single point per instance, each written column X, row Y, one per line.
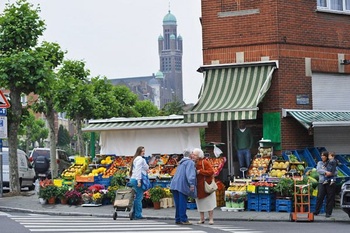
column 29, row 203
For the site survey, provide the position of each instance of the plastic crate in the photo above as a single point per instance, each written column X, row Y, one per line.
column 284, row 205
column 88, row 184
column 266, row 207
column 306, row 157
column 342, row 160
column 264, row 190
column 85, row 178
column 253, row 196
column 344, row 169
column 266, row 197
column 253, row 206
column 294, row 152
column 314, row 152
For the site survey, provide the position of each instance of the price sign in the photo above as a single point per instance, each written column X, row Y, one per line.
column 258, row 156
column 260, row 168
column 243, row 169
column 274, row 157
column 292, row 171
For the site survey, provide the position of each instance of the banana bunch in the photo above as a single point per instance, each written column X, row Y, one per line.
column 237, row 187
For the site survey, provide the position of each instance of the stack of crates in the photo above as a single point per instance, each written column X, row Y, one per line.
column 313, row 201
column 266, row 202
column 253, row 202
column 284, row 205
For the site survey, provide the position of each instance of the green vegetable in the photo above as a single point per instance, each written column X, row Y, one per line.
column 314, row 174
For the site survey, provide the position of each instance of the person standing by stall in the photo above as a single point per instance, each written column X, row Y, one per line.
column 183, row 185
column 324, row 190
column 138, row 167
column 205, row 202
column 243, row 142
column 321, row 170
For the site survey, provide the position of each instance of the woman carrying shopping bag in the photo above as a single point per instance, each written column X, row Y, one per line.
column 205, row 173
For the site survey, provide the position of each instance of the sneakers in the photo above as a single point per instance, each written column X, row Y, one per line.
column 184, row 223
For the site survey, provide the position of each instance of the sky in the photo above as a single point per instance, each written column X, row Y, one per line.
column 119, row 38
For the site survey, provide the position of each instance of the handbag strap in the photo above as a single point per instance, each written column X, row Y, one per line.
column 203, row 169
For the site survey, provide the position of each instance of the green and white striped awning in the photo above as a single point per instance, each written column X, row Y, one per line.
column 140, row 123
column 232, row 92
column 314, row 118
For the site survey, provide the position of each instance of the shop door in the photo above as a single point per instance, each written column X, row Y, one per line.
column 333, row 139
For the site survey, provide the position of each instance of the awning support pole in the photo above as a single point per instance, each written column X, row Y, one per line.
column 92, row 145
column 229, row 148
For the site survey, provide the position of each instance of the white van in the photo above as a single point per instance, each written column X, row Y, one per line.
column 25, row 170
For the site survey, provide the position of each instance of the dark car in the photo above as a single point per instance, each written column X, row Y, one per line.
column 345, row 197
column 62, row 159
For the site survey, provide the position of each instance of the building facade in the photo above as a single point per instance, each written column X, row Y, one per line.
column 166, row 85
column 308, row 47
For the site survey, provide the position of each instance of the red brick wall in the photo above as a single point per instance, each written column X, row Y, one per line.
column 283, row 30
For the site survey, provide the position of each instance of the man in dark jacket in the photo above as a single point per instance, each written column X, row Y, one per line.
column 243, row 142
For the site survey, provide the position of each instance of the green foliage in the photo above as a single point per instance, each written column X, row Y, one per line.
column 127, row 100
column 146, row 108
column 175, row 107
column 118, row 180
column 285, row 187
column 61, row 191
column 20, row 26
column 108, row 105
column 63, row 138
column 156, row 193
column 48, row 191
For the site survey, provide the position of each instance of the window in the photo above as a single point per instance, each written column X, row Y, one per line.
column 334, row 5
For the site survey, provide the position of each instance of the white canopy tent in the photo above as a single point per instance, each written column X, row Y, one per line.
column 164, row 135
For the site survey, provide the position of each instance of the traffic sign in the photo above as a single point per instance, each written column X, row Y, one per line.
column 3, row 101
column 3, row 127
column 3, row 111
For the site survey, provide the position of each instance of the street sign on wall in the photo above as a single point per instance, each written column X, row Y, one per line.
column 3, row 127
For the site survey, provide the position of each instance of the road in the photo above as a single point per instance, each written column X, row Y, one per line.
column 24, row 223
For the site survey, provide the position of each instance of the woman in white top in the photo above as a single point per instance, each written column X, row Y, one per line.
column 138, row 167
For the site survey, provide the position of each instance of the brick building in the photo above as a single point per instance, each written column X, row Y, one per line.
column 300, row 50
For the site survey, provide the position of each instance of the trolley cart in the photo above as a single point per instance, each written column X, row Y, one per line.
column 124, row 201
column 302, row 211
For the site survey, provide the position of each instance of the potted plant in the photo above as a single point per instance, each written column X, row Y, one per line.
column 156, row 193
column 73, row 197
column 61, row 191
column 48, row 193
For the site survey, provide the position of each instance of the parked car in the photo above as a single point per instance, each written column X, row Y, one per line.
column 345, row 197
column 62, row 159
column 25, row 169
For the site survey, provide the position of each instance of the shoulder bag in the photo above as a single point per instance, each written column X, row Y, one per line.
column 209, row 188
column 145, row 182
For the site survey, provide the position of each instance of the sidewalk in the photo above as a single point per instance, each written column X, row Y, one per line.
column 29, row 203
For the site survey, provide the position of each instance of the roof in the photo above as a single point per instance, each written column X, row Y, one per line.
column 232, row 91
column 169, row 18
column 314, row 118
column 160, row 122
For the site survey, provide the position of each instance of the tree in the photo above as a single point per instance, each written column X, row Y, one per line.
column 23, row 68
column 146, row 108
column 127, row 100
column 171, row 108
column 46, row 101
column 63, row 137
column 75, row 96
column 108, row 105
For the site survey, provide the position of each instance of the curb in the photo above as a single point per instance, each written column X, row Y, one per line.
column 125, row 215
